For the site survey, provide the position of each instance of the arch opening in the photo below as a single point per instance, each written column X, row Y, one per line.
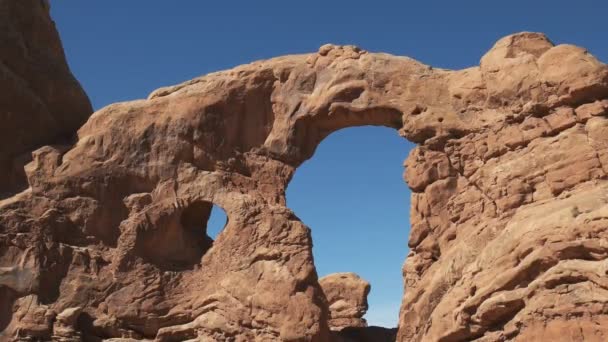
column 217, row 221
column 182, row 237
column 352, row 195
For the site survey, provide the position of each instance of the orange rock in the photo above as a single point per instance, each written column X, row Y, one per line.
column 508, row 213
column 346, row 295
column 41, row 102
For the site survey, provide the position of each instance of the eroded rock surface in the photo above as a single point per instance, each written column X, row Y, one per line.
column 509, row 209
column 41, row 102
column 346, row 295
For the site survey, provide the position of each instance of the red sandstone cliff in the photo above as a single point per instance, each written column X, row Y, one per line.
column 509, row 209
column 41, row 102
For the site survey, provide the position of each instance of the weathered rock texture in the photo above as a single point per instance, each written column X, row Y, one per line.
column 509, row 211
column 346, row 295
column 41, row 102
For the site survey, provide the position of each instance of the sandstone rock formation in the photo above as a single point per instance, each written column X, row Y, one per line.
column 41, row 102
column 509, row 208
column 346, row 295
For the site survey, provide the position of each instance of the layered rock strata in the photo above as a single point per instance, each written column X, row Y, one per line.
column 509, row 206
column 346, row 295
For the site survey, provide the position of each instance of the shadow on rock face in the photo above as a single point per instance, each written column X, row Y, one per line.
column 42, row 102
column 179, row 238
column 7, row 297
column 365, row 334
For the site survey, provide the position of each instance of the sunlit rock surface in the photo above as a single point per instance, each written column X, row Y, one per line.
column 509, row 206
column 346, row 295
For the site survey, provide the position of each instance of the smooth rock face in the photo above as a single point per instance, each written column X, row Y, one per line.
column 41, row 102
column 346, row 295
column 509, row 209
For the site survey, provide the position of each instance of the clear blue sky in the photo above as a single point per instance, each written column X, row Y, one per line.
column 351, row 192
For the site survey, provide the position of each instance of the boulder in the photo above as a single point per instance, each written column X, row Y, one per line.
column 346, row 295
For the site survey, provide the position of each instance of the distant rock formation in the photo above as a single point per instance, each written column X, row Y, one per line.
column 509, row 208
column 346, row 295
column 41, row 102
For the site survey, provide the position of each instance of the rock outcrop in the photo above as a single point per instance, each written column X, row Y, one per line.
column 346, row 295
column 41, row 102
column 509, row 206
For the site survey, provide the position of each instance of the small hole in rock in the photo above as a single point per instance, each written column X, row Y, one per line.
column 217, row 221
column 417, row 110
column 179, row 239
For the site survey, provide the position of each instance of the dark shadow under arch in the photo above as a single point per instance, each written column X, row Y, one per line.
column 182, row 237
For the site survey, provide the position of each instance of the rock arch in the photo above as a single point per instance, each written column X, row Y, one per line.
column 352, row 196
column 482, row 261
column 172, row 237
